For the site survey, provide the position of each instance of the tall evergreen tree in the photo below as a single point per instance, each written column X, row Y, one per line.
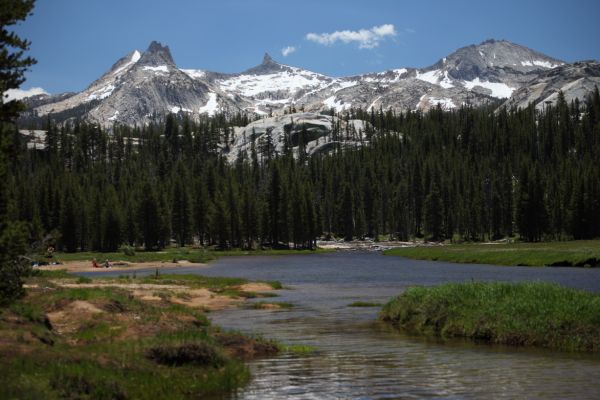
column 433, row 209
column 112, row 221
column 149, row 217
column 181, row 212
column 12, row 69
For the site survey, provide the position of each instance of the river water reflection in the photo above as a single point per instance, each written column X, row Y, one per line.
column 358, row 358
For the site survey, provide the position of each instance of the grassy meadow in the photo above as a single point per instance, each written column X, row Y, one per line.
column 123, row 338
column 571, row 253
column 525, row 314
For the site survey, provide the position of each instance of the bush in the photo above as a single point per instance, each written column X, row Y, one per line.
column 200, row 354
column 128, row 250
column 79, row 386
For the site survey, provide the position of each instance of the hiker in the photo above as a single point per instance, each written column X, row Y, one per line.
column 95, row 264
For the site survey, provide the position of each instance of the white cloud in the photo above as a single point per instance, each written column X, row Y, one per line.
column 286, row 51
column 366, row 38
column 18, row 94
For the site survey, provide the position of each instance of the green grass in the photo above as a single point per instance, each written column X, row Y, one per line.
column 132, row 376
column 166, row 255
column 196, row 255
column 212, row 283
column 364, row 304
column 51, row 274
column 573, row 253
column 529, row 314
column 99, row 360
column 296, row 349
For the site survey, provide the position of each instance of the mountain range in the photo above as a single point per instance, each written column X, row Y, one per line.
column 143, row 86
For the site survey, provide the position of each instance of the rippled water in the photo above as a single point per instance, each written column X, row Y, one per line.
column 358, row 358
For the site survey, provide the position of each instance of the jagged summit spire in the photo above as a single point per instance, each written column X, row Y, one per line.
column 268, row 65
column 157, row 54
column 267, row 59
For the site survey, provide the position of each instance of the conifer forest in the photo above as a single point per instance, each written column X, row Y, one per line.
column 471, row 174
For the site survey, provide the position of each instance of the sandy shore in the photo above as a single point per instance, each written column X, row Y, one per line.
column 369, row 245
column 86, row 266
column 194, row 297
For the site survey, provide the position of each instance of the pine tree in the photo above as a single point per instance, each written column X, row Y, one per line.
column 219, row 226
column 12, row 68
column 68, row 221
column 433, row 208
column 112, row 221
column 148, row 217
column 130, row 231
column 181, row 212
column 348, row 214
column 201, row 211
column 274, row 205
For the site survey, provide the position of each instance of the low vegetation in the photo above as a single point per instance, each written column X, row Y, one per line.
column 584, row 253
column 527, row 314
column 263, row 305
column 123, row 338
column 171, row 254
column 364, row 304
column 297, row 349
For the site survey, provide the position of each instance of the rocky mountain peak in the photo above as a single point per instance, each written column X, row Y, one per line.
column 267, row 59
column 487, row 59
column 143, row 84
column 267, row 66
column 156, row 55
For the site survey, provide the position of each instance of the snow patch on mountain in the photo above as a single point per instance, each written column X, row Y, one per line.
column 194, row 73
column 101, row 93
column 211, row 106
column 340, row 85
column 337, row 105
column 445, row 103
column 539, row 63
column 293, row 81
column 384, row 77
column 159, row 69
column 114, row 116
column 499, row 90
column 177, row 109
column 135, row 57
column 436, row 77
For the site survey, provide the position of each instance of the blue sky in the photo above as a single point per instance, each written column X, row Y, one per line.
column 75, row 41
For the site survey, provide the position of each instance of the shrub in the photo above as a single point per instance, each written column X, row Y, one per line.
column 128, row 250
column 200, row 354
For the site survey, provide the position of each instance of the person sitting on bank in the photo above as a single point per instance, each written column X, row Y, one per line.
column 95, row 264
column 106, row 264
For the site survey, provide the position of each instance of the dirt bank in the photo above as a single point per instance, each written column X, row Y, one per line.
column 87, row 266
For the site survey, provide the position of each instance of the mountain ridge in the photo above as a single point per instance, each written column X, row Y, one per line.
column 142, row 85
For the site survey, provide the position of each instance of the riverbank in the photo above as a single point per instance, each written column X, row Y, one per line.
column 525, row 314
column 121, row 338
column 573, row 253
column 119, row 265
column 166, row 258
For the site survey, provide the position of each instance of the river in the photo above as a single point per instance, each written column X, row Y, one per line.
column 358, row 358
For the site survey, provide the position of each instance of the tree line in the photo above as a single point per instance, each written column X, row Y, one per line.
column 469, row 174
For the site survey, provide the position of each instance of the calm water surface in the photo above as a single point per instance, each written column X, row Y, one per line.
column 358, row 358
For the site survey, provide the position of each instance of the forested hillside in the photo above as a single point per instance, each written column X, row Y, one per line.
column 467, row 174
